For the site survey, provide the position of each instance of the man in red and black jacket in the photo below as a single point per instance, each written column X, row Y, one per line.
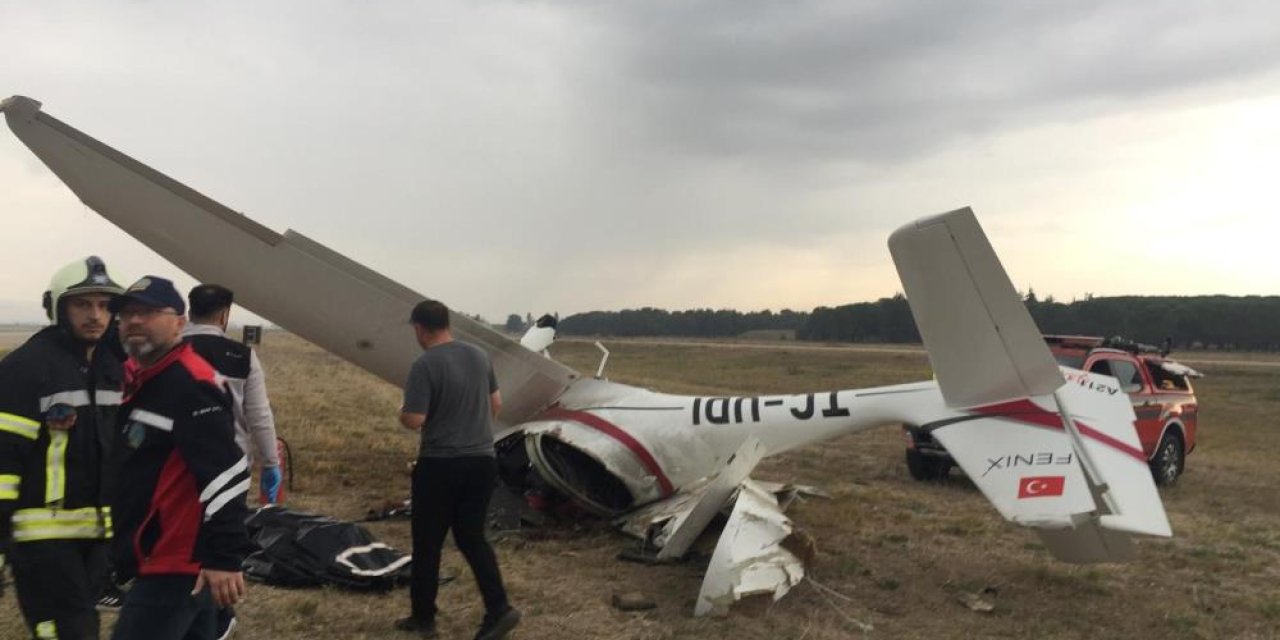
column 180, row 506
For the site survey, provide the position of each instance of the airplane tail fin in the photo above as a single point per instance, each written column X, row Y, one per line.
column 982, row 343
column 1056, row 453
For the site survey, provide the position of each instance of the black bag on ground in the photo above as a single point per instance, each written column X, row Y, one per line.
column 305, row 549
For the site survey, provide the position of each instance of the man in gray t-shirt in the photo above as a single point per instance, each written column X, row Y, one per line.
column 451, row 396
column 452, row 384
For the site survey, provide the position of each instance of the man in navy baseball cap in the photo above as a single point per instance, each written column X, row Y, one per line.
column 151, row 291
column 151, row 321
column 182, row 462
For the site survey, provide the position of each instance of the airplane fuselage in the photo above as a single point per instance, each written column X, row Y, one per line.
column 653, row 443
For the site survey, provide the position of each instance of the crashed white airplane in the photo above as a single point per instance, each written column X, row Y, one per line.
column 665, row 464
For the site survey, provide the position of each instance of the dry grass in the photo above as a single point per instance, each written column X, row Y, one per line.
column 899, row 554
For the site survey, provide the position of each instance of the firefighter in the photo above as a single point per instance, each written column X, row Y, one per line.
column 59, row 394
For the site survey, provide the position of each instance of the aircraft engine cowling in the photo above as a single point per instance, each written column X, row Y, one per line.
column 595, row 469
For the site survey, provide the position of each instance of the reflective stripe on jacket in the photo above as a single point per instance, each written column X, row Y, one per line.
column 56, row 479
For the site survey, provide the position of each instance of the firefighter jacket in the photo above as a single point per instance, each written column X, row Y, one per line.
column 181, row 503
column 57, row 485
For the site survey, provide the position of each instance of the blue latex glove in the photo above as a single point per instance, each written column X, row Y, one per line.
column 269, row 484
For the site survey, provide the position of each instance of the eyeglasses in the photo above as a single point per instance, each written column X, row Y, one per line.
column 143, row 313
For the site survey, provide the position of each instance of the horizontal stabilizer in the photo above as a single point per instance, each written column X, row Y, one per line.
column 982, row 343
column 1027, row 468
column 1102, row 421
column 1067, row 464
column 288, row 279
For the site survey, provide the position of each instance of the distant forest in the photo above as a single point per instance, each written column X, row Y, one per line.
column 1221, row 322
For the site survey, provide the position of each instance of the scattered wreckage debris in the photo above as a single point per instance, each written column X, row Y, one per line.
column 632, row 601
column 750, row 557
column 389, row 510
column 759, row 552
column 830, row 596
column 979, row 601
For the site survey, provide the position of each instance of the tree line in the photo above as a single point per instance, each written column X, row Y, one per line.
column 1222, row 322
column 699, row 323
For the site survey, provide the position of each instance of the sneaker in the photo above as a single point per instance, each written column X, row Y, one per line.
column 225, row 624
column 110, row 599
column 413, row 625
column 497, row 627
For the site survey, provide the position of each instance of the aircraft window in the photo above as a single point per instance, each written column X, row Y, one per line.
column 1128, row 375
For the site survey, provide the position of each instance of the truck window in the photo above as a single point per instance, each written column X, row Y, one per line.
column 1122, row 370
column 1163, row 380
column 1128, row 375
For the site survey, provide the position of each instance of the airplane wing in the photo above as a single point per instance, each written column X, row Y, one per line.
column 288, row 279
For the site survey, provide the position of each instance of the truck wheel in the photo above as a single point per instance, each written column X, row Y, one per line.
column 926, row 468
column 1166, row 465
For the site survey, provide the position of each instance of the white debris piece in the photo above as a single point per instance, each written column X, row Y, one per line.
column 749, row 558
column 684, row 529
column 641, row 522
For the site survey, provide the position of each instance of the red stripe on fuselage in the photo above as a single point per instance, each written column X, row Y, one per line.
column 1029, row 412
column 617, row 433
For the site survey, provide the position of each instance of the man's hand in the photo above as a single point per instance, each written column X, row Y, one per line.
column 227, row 587
column 269, row 484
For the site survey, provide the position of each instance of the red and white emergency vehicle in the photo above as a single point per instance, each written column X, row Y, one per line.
column 1160, row 389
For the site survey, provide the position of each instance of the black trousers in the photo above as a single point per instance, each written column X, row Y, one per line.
column 162, row 608
column 58, row 583
column 453, row 494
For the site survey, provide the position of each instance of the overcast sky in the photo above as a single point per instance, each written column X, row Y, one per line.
column 571, row 156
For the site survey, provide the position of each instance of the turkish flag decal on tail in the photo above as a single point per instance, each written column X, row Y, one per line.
column 1041, row 486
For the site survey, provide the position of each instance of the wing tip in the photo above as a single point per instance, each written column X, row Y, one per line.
column 18, row 104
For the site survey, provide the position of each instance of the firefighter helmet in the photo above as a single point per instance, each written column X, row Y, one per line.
column 88, row 275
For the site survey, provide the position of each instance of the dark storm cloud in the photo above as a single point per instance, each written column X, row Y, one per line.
column 591, row 154
column 876, row 81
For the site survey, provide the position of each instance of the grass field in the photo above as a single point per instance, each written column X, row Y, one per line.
column 900, row 556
